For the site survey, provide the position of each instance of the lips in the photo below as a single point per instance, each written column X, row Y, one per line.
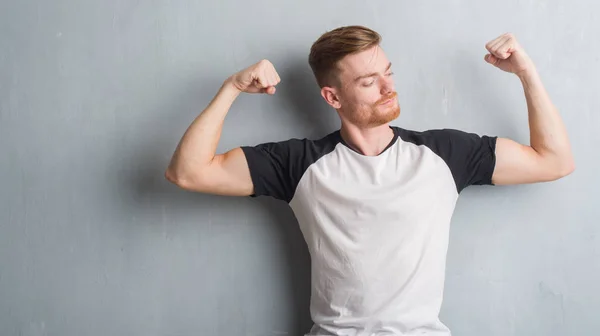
column 388, row 99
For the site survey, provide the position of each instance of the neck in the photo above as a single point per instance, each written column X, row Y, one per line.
column 367, row 141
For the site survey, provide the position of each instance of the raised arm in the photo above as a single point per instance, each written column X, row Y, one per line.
column 548, row 157
column 195, row 165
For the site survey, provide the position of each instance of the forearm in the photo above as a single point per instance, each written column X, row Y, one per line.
column 548, row 135
column 198, row 146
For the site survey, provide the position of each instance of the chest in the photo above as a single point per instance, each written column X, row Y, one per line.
column 362, row 207
column 405, row 180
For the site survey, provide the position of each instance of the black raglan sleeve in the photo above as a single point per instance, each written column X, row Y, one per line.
column 470, row 157
column 276, row 167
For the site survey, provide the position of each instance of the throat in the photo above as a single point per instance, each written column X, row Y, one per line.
column 372, row 142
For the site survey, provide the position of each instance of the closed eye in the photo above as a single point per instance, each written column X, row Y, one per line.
column 373, row 81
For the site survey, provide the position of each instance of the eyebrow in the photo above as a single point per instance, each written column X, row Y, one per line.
column 371, row 74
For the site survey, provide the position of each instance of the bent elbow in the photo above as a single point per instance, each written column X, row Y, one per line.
column 568, row 169
column 171, row 176
column 564, row 169
column 184, row 181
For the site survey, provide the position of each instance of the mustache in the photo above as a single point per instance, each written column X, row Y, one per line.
column 390, row 96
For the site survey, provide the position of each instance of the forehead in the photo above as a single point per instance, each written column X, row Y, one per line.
column 364, row 62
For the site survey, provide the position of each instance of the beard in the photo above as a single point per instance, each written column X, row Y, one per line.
column 376, row 114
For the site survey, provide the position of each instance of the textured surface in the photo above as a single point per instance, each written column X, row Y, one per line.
column 94, row 96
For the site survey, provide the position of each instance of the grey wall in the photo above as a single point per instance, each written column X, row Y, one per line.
column 95, row 95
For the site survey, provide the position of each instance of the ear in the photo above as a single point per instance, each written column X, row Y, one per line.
column 331, row 97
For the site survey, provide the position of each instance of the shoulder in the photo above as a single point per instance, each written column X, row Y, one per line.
column 428, row 133
column 301, row 148
column 276, row 167
column 442, row 138
column 470, row 156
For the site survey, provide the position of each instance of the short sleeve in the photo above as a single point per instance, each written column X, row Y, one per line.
column 470, row 157
column 275, row 167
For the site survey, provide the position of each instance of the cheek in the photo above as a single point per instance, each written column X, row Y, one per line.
column 366, row 96
column 372, row 97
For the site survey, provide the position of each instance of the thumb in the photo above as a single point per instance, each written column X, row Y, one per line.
column 491, row 59
column 270, row 90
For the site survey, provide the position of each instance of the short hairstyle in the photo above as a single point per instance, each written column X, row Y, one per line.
column 334, row 45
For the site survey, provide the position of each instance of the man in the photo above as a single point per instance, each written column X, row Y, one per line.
column 373, row 201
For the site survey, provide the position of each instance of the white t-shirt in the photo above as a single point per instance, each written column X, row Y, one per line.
column 377, row 227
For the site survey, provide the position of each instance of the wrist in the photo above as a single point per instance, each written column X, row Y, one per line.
column 527, row 74
column 230, row 87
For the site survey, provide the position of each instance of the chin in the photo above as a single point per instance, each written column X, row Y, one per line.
column 389, row 114
column 377, row 116
column 382, row 118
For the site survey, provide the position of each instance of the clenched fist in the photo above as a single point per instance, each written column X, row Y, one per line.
column 508, row 55
column 257, row 78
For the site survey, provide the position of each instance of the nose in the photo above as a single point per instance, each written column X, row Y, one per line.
column 387, row 85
